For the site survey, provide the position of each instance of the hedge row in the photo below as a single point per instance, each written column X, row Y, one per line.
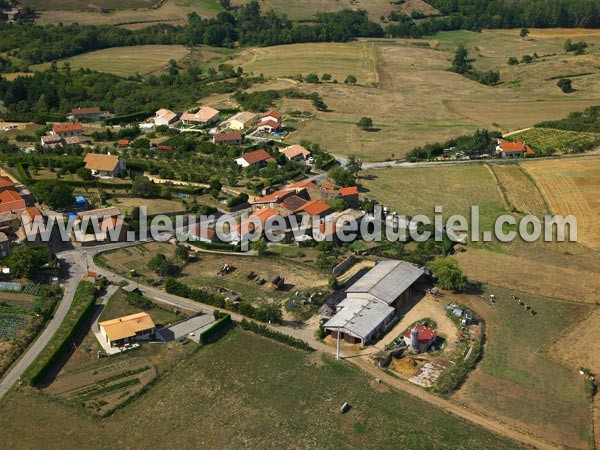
column 127, row 118
column 80, row 311
column 452, row 378
column 224, row 322
column 275, row 335
column 172, row 286
column 216, row 246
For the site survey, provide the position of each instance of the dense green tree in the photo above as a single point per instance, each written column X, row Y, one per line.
column 448, row 274
column 53, row 193
column 341, row 176
column 350, row 79
column 565, row 85
column 365, row 123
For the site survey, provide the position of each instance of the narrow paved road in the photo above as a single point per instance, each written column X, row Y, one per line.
column 76, row 267
column 362, row 361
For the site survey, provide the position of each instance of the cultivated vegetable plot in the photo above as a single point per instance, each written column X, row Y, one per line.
column 11, row 325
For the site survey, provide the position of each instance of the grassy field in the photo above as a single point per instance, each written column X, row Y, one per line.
column 409, row 71
column 519, row 190
column 125, row 61
column 128, row 13
column 118, row 307
column 519, row 380
column 571, row 187
column 558, row 140
column 418, row 190
column 203, row 271
column 247, row 391
column 154, row 205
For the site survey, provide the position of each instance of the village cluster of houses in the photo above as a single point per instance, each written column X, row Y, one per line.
column 299, row 199
column 15, row 217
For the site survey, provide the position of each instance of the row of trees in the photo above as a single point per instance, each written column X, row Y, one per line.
column 462, row 65
column 245, row 26
column 479, row 143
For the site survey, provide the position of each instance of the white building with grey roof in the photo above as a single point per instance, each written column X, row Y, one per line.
column 370, row 304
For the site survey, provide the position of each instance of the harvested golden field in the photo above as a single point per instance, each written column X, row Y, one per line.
column 410, row 71
column 128, row 12
column 519, row 190
column 337, row 59
column 580, row 346
column 571, row 186
column 553, row 277
column 125, row 61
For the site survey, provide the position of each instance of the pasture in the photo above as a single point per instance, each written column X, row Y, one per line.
column 125, row 61
column 90, row 5
column 570, row 186
column 417, row 100
column 247, row 391
column 519, row 380
column 555, row 140
column 418, row 190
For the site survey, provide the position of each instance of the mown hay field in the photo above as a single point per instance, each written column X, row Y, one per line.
column 520, row 191
column 248, row 391
column 571, row 186
column 519, row 381
column 125, row 61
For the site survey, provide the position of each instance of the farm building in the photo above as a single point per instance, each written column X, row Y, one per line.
column 257, row 158
column 419, row 338
column 164, row 117
column 370, row 304
column 205, row 115
column 242, row 120
column 125, row 330
column 512, row 150
column 91, row 114
column 235, row 138
column 104, row 165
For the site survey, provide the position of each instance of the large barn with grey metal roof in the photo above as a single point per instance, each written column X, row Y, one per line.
column 370, row 304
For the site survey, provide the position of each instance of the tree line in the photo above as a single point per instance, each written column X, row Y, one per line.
column 244, row 26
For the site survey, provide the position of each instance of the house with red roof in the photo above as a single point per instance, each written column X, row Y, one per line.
column 269, row 122
column 6, row 184
column 11, row 201
column 512, row 150
column 419, row 338
column 90, row 114
column 203, row 233
column 349, row 195
column 233, row 138
column 65, row 130
column 257, row 158
column 315, row 208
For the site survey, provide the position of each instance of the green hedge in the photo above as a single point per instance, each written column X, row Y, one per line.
column 452, row 378
column 175, row 287
column 127, row 118
column 216, row 246
column 80, row 311
column 275, row 335
column 224, row 322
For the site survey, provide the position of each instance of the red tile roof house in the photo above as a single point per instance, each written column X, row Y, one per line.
column 6, row 184
column 271, row 116
column 202, row 234
column 508, row 150
column 235, row 138
column 268, row 126
column 315, row 208
column 246, row 228
column 64, row 130
column 349, row 195
column 257, row 158
column 11, row 201
column 295, row 152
